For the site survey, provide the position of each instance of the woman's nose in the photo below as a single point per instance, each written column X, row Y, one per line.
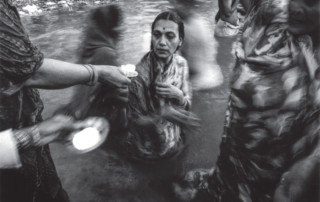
column 162, row 40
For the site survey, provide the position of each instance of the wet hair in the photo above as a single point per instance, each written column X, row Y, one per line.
column 174, row 17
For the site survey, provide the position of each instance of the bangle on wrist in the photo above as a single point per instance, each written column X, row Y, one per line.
column 35, row 134
column 93, row 74
column 23, row 138
column 27, row 137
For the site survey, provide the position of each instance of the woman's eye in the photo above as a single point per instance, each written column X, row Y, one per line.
column 156, row 34
column 171, row 36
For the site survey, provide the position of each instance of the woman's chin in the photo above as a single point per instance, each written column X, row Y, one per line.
column 162, row 56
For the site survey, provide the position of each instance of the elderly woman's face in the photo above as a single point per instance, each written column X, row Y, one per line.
column 304, row 16
column 165, row 38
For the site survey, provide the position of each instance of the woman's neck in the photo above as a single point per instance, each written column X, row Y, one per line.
column 164, row 62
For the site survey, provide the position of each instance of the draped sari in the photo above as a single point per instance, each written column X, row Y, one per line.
column 269, row 109
column 21, row 107
column 151, row 145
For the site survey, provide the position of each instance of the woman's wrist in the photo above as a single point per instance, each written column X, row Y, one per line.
column 93, row 74
column 27, row 137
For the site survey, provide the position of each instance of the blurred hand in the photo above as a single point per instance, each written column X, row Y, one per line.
column 51, row 129
column 164, row 90
column 100, row 123
column 119, row 95
column 182, row 117
column 112, row 75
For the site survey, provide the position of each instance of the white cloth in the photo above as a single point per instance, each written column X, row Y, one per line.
column 9, row 156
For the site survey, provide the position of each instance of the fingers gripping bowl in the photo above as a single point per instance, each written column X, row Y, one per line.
column 88, row 138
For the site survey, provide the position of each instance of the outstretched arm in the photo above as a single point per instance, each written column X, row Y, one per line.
column 55, row 74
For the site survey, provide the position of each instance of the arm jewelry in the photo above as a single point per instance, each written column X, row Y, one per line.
column 27, row 137
column 93, row 74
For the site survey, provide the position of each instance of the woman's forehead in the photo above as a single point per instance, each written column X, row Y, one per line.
column 166, row 25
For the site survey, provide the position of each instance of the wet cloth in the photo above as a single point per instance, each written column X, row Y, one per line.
column 22, row 107
column 143, row 101
column 268, row 109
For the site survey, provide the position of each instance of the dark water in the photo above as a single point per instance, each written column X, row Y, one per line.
column 98, row 176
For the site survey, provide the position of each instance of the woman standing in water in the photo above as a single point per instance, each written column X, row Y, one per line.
column 272, row 120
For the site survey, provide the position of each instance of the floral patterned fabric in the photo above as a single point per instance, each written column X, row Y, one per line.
column 22, row 107
column 269, row 108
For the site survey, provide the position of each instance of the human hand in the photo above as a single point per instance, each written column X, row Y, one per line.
column 100, row 123
column 112, row 75
column 182, row 117
column 117, row 95
column 164, row 90
column 115, row 78
column 51, row 129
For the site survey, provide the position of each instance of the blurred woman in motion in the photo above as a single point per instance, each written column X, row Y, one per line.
column 199, row 47
column 100, row 47
column 301, row 181
column 272, row 121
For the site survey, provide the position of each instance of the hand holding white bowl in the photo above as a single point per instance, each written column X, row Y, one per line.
column 94, row 133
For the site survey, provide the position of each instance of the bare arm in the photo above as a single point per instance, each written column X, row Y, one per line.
column 55, row 74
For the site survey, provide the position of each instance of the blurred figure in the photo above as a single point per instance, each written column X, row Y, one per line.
column 301, row 182
column 272, row 120
column 99, row 47
column 199, row 48
column 228, row 24
column 228, row 17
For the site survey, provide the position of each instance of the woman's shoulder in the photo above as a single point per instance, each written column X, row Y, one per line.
column 181, row 61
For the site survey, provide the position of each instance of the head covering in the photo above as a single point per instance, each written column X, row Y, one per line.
column 101, row 31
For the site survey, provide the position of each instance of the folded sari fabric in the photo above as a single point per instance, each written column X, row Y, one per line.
column 21, row 107
column 268, row 110
column 143, row 143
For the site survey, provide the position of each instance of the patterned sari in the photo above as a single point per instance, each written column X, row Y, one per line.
column 154, row 145
column 20, row 107
column 269, row 109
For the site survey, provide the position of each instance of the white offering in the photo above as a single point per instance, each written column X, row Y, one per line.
column 129, row 70
column 87, row 139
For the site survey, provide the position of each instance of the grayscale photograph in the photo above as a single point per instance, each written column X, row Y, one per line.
column 159, row 100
